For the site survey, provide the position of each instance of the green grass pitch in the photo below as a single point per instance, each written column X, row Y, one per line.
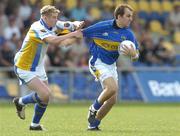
column 127, row 119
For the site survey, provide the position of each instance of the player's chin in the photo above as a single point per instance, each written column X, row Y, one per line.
column 54, row 24
column 126, row 25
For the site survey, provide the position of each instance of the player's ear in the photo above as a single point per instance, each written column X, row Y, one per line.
column 115, row 16
column 45, row 17
column 118, row 16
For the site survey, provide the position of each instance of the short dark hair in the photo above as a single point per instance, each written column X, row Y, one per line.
column 120, row 10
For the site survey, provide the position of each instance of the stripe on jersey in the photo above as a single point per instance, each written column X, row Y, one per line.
column 36, row 58
column 30, row 53
column 107, row 44
column 34, row 36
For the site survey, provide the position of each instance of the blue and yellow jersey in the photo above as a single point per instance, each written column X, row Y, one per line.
column 107, row 36
column 33, row 49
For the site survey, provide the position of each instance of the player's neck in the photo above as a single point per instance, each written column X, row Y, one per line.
column 119, row 25
column 45, row 23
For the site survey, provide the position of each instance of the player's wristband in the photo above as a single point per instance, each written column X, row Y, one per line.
column 135, row 57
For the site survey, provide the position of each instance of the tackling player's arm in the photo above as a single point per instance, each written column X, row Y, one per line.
column 86, row 32
column 77, row 26
column 68, row 41
column 56, row 40
column 71, row 26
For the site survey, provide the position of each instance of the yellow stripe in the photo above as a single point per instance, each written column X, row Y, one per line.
column 107, row 45
column 62, row 32
column 97, row 74
column 27, row 56
column 32, row 36
column 28, row 52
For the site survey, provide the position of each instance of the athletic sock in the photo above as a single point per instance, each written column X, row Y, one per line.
column 39, row 110
column 96, row 105
column 30, row 98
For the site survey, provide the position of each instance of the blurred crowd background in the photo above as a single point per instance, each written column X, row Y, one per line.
column 156, row 25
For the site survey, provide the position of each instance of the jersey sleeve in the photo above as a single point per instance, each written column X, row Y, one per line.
column 90, row 31
column 42, row 33
column 65, row 25
column 63, row 28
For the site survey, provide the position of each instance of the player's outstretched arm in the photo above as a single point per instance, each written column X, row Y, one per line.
column 56, row 40
column 70, row 41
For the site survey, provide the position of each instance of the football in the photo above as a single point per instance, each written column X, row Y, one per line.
column 127, row 44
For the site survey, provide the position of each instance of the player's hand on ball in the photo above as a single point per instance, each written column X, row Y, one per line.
column 128, row 48
column 132, row 51
column 128, row 51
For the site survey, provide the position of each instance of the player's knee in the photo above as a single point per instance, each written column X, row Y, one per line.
column 112, row 89
column 114, row 100
column 46, row 96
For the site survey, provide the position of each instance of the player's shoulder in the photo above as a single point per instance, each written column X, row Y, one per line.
column 129, row 31
column 106, row 22
column 37, row 26
column 129, row 34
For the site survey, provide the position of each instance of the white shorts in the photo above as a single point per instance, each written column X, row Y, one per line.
column 102, row 71
column 26, row 76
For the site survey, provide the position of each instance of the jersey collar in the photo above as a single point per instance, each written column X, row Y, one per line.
column 116, row 26
column 45, row 25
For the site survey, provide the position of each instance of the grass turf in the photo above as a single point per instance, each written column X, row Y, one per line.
column 128, row 119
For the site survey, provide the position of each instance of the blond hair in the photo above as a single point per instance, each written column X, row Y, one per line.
column 48, row 9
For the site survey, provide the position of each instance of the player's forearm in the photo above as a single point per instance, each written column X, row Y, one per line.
column 68, row 42
column 56, row 40
column 59, row 39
